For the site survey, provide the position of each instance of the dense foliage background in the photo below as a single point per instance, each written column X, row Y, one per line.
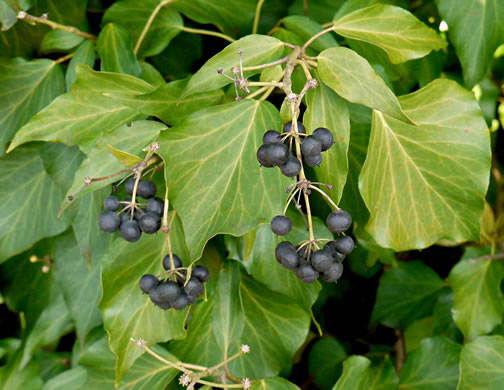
column 415, row 106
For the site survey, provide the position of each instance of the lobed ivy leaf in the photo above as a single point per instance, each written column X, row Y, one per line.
column 351, row 77
column 84, row 54
column 482, row 364
column 215, row 149
column 257, row 50
column 358, row 374
column 475, row 29
column 133, row 15
column 326, row 109
column 116, row 51
column 406, row 293
column 81, row 116
column 478, row 304
column 126, row 311
column 27, row 87
column 433, row 365
column 395, row 30
column 427, row 182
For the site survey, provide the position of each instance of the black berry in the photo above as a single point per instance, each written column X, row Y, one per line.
column 281, row 225
column 109, row 221
column 335, row 255
column 277, row 153
column 201, row 273
column 325, row 137
column 286, row 254
column 181, row 302
column 181, row 277
column 149, row 222
column 339, row 221
column 147, row 282
column 292, row 167
column 307, row 273
column 344, row 245
column 176, row 262
column 311, row 146
column 130, row 184
column 146, row 189
column 129, row 231
column 194, row 287
column 155, row 205
column 163, row 305
column 334, row 273
column 168, row 291
column 271, row 136
column 111, row 203
column 287, row 127
column 314, row 161
column 321, row 260
column 262, row 156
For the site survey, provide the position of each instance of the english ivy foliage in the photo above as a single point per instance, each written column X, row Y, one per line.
column 180, row 94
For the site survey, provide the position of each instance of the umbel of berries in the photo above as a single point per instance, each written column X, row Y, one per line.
column 177, row 294
column 146, row 217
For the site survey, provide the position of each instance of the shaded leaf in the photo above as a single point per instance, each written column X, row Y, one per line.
column 273, row 383
column 73, row 379
column 13, row 378
column 151, row 74
column 358, row 374
column 427, row 182
column 7, row 15
column 325, row 360
column 305, row 28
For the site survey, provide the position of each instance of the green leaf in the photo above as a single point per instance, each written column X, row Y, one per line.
column 325, row 360
column 326, row 109
column 427, row 182
column 227, row 137
column 132, row 15
column 257, row 49
column 58, row 40
column 29, row 202
column 305, row 28
column 166, row 102
column 116, row 51
column 139, row 318
column 274, row 383
column 351, row 77
column 482, row 364
column 475, row 29
column 146, row 373
column 354, row 5
column 434, row 365
column 53, row 322
column 7, row 16
column 73, row 379
column 442, row 319
column 13, row 378
column 151, row 74
column 478, row 304
column 85, row 54
column 27, row 86
column 395, row 30
column 418, row 331
column 406, row 293
column 358, row 374
column 131, row 138
column 79, row 117
column 125, row 158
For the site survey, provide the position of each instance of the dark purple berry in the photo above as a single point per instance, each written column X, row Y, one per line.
column 271, row 136
column 344, row 245
column 111, row 203
column 281, row 225
column 130, row 231
column 155, row 205
column 311, row 146
column 286, row 254
column 334, row 273
column 287, row 127
column 277, row 153
column 147, row 282
column 292, row 167
column 201, row 273
column 181, row 303
column 325, row 137
column 109, row 221
column 262, row 156
column 168, row 291
column 307, row 273
column 194, row 287
column 149, row 222
column 129, row 186
column 146, row 189
column 321, row 260
column 314, row 161
column 338, row 221
column 176, row 262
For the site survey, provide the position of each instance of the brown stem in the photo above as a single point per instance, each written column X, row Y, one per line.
column 400, row 351
column 55, row 26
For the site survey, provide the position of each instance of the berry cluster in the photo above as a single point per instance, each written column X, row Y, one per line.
column 311, row 265
column 133, row 218
column 177, row 294
column 274, row 153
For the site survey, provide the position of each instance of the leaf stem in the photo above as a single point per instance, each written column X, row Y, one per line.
column 257, row 15
column 310, row 41
column 206, row 32
column 147, row 26
column 265, row 84
column 325, row 196
column 64, row 58
column 257, row 67
column 55, row 26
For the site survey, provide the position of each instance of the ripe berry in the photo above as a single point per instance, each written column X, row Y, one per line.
column 292, row 167
column 307, row 273
column 129, row 231
column 325, row 137
column 271, row 136
column 109, row 221
column 163, row 305
column 155, row 205
column 287, row 127
column 286, row 254
column 277, row 153
column 201, row 273
column 344, row 245
column 130, row 184
column 181, row 279
column 335, row 255
column 146, row 189
column 194, row 287
column 149, row 223
column 334, row 273
column 338, row 221
column 111, row 203
column 314, row 161
column 181, row 302
column 168, row 291
column 147, row 282
column 311, row 146
column 321, row 260
column 262, row 156
column 154, row 295
column 176, row 262
column 281, row 225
